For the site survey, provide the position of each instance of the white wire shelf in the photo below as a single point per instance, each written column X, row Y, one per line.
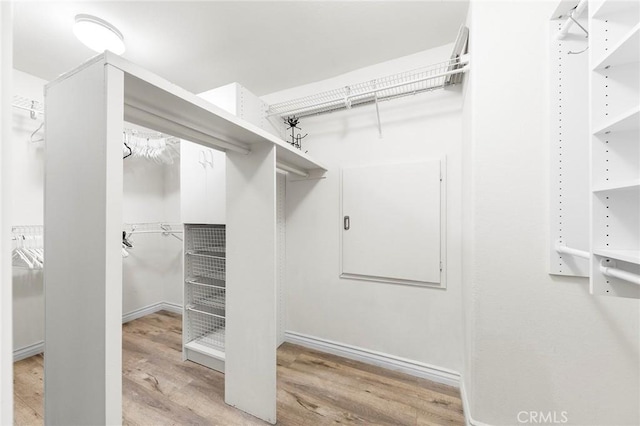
column 26, row 104
column 419, row 80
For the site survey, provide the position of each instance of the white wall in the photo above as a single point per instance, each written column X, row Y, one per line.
column 468, row 254
column 6, row 88
column 153, row 271
column 537, row 342
column 421, row 324
column 27, row 178
column 172, row 262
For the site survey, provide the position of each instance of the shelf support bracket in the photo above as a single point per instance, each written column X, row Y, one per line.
column 375, row 97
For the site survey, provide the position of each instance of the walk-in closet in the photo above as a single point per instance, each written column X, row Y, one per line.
column 317, row 213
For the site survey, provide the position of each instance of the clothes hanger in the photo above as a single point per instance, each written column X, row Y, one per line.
column 125, row 140
column 31, row 137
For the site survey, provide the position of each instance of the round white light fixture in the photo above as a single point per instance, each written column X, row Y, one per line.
column 99, row 35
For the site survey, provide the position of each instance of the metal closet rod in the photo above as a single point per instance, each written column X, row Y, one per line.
column 155, row 228
column 143, row 116
column 573, row 15
column 612, row 271
column 291, row 169
column 563, row 249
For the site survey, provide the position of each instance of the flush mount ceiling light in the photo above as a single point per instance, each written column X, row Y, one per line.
column 97, row 34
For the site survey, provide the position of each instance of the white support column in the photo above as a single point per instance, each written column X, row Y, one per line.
column 83, row 225
column 6, row 299
column 250, row 342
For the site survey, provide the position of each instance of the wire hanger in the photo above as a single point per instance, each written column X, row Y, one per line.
column 33, row 134
column 125, row 139
column 570, row 52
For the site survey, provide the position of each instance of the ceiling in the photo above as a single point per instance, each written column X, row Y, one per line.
column 265, row 46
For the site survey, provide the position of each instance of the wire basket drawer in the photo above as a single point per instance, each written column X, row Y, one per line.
column 205, row 329
column 205, row 239
column 206, row 298
column 212, row 269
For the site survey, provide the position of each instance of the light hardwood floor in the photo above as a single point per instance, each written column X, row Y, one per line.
column 314, row 388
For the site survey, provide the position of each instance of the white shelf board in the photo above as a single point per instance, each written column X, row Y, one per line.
column 626, row 51
column 629, row 120
column 564, row 7
column 156, row 103
column 619, row 186
column 205, row 350
column 612, row 7
column 631, row 256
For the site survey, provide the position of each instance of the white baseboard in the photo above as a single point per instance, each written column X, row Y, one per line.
column 38, row 347
column 151, row 309
column 391, row 362
column 468, row 418
column 142, row 312
column 28, row 351
column 171, row 307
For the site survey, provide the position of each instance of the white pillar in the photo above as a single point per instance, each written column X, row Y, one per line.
column 6, row 298
column 250, row 342
column 83, row 232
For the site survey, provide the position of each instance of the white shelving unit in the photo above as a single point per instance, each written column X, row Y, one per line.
column 106, row 91
column 569, row 151
column 204, row 319
column 615, row 148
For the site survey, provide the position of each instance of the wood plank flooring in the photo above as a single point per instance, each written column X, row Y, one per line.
column 314, row 388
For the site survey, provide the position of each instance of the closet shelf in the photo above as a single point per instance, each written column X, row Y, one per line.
column 425, row 79
column 612, row 7
column 155, row 103
column 206, row 349
column 619, row 186
column 630, row 256
column 624, row 52
column 629, row 120
column 207, row 282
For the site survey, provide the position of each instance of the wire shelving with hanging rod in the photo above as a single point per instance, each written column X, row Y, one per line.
column 425, row 79
column 150, row 145
column 28, row 248
column 34, row 107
